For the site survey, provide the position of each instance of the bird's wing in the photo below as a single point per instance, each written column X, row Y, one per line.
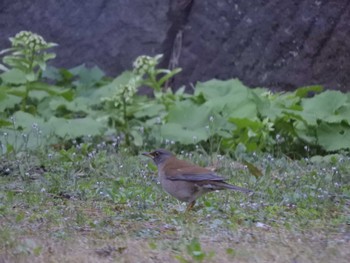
column 179, row 170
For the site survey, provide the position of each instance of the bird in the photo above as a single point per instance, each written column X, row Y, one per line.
column 187, row 181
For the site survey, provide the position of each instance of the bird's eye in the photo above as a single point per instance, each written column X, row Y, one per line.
column 156, row 153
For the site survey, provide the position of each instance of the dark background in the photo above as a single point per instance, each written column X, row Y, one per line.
column 280, row 44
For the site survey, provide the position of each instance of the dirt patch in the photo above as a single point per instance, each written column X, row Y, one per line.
column 247, row 246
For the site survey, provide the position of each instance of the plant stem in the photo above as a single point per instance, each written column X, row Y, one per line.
column 155, row 85
column 31, row 59
column 126, row 123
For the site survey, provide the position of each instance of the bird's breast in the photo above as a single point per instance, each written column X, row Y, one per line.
column 181, row 190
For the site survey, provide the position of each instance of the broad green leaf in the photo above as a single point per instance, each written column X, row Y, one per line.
column 61, row 76
column 330, row 158
column 245, row 109
column 149, row 110
column 38, row 94
column 263, row 103
column 333, row 137
column 226, row 97
column 14, row 76
column 9, row 102
column 68, row 94
column 220, row 126
column 52, row 73
column 247, row 123
column 3, row 93
column 51, row 89
column 43, row 108
column 219, row 88
column 273, row 106
column 110, row 89
column 19, row 91
column 137, row 138
column 16, row 62
column 27, row 133
column 323, row 106
column 17, row 140
column 179, row 133
column 155, row 121
column 189, row 115
column 25, row 121
column 31, row 76
column 87, row 76
column 78, row 104
column 343, row 114
column 306, row 132
column 70, row 129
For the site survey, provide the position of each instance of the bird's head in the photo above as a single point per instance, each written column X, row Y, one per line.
column 158, row 156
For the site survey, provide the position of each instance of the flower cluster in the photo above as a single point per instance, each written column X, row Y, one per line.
column 30, row 40
column 124, row 93
column 145, row 64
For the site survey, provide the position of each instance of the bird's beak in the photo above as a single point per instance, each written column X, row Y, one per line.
column 148, row 154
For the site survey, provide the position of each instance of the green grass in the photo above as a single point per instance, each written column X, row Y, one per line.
column 94, row 204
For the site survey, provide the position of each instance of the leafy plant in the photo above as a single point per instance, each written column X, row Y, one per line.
column 194, row 250
column 260, row 120
column 22, row 84
column 134, row 115
column 121, row 107
column 28, row 54
column 146, row 68
column 219, row 116
column 29, row 101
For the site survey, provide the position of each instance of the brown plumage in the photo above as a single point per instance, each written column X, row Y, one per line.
column 186, row 181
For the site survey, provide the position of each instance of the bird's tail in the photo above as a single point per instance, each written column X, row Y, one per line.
column 236, row 188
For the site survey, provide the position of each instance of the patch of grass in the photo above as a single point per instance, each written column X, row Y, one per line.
column 101, row 205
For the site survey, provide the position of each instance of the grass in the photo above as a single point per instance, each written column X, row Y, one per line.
column 95, row 204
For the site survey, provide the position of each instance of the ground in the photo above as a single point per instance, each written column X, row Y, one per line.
column 108, row 207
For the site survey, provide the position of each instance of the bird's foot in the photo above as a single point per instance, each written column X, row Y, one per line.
column 190, row 206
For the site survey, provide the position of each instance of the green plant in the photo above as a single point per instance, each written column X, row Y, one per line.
column 121, row 108
column 28, row 54
column 27, row 60
column 145, row 68
column 21, row 83
column 194, row 250
column 221, row 116
column 27, row 100
column 259, row 120
column 133, row 115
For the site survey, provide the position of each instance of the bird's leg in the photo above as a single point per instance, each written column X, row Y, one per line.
column 190, row 205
